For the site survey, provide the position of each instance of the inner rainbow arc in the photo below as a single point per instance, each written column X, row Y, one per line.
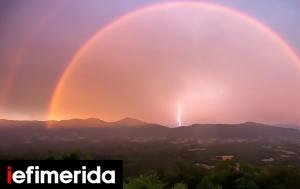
column 152, row 8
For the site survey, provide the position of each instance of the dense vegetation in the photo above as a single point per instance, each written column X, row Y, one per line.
column 226, row 175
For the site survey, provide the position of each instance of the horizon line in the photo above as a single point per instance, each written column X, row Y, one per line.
column 138, row 120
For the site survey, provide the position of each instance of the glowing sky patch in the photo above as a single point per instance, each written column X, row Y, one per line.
column 138, row 65
column 179, row 110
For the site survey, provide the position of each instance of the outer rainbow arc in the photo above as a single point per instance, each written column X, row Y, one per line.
column 214, row 7
column 17, row 62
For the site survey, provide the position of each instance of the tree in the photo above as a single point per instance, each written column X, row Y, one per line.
column 183, row 172
column 144, row 182
column 180, row 186
column 73, row 155
column 246, row 183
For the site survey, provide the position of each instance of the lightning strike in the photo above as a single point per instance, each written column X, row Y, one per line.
column 179, row 114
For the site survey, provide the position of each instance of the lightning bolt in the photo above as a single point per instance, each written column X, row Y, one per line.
column 179, row 114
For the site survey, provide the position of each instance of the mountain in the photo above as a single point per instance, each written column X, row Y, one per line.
column 95, row 123
column 7, row 123
column 294, row 126
column 77, row 123
column 129, row 128
column 130, row 136
column 128, row 122
column 248, row 130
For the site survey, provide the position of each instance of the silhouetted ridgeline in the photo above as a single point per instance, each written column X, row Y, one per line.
column 134, row 129
column 146, row 146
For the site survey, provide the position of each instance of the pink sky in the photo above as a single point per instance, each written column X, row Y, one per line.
column 219, row 66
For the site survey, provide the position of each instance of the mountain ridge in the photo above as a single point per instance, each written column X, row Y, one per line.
column 127, row 121
column 89, row 132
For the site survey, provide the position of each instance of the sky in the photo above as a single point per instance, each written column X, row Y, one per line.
column 216, row 64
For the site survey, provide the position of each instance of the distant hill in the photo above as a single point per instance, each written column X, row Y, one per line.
column 77, row 123
column 136, row 140
column 249, row 130
column 128, row 122
column 129, row 128
column 293, row 126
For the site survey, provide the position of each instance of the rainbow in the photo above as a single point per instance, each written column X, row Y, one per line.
column 152, row 8
column 18, row 59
